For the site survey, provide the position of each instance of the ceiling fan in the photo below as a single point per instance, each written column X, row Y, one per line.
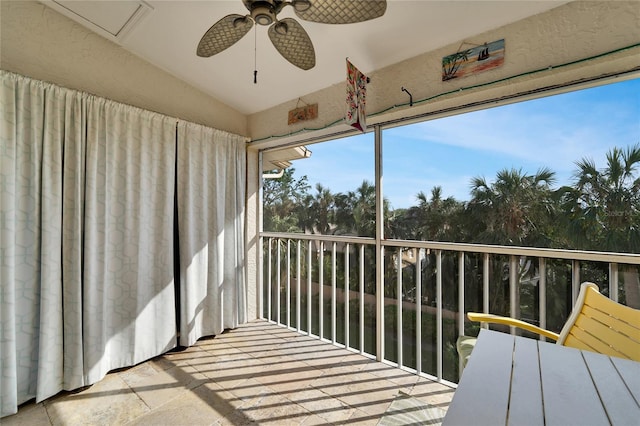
column 287, row 35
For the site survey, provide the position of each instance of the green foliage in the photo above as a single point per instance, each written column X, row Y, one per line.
column 602, row 208
column 600, row 211
column 516, row 209
column 434, row 219
column 284, row 201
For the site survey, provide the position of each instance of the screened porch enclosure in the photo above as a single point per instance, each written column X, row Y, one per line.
column 365, row 269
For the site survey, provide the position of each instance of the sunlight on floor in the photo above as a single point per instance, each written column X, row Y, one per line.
column 259, row 373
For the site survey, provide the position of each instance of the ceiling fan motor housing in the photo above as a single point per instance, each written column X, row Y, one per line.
column 263, row 12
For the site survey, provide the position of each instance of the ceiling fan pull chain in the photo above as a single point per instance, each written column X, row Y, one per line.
column 255, row 55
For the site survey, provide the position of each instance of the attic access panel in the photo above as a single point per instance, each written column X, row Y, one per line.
column 111, row 19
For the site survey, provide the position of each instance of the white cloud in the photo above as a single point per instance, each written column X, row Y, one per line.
column 556, row 133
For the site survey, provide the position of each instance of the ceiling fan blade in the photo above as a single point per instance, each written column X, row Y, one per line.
column 293, row 42
column 223, row 34
column 339, row 11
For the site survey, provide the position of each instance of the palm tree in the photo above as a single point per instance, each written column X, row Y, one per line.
column 438, row 216
column 322, row 210
column 356, row 211
column 516, row 209
column 603, row 206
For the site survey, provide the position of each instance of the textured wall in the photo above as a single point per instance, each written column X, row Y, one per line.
column 568, row 33
column 38, row 42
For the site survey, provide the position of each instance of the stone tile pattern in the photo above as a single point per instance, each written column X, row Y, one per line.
column 259, row 373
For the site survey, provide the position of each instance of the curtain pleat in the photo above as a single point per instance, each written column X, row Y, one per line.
column 73, row 190
column 210, row 205
column 18, row 270
column 58, row 134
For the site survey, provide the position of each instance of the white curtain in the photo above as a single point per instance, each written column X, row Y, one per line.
column 41, row 129
column 211, row 199
column 86, row 238
column 129, row 293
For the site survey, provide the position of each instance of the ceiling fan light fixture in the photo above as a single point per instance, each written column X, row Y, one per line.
column 263, row 13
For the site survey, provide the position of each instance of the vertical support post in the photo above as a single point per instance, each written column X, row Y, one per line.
column 575, row 280
column 399, row 307
column 298, row 282
column 261, row 242
column 347, row 291
column 321, row 291
column 278, row 283
column 485, row 286
column 513, row 278
column 461, row 311
column 361, row 311
column 439, row 312
column 309, row 278
column 260, row 278
column 542, row 293
column 269, row 280
column 379, row 247
column 288, row 303
column 613, row 281
column 334, row 313
column 419, row 310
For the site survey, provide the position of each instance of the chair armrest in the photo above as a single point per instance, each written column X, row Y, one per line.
column 496, row 319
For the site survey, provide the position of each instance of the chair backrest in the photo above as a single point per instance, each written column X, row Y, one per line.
column 599, row 324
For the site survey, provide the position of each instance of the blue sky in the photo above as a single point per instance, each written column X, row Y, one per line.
column 552, row 132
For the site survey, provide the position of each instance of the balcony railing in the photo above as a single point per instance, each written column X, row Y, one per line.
column 405, row 302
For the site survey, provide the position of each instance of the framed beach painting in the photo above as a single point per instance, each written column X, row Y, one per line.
column 474, row 60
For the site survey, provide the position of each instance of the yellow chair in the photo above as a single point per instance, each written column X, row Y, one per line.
column 596, row 324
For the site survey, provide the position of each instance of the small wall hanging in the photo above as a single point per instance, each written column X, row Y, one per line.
column 356, row 97
column 306, row 112
column 472, row 61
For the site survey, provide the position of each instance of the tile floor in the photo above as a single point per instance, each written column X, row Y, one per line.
column 259, row 373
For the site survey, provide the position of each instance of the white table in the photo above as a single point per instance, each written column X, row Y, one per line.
column 513, row 380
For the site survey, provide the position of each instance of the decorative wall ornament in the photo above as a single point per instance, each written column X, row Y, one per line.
column 303, row 113
column 477, row 59
column 356, row 97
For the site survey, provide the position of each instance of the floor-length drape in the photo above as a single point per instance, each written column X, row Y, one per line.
column 41, row 129
column 86, row 238
column 210, row 200
column 129, row 303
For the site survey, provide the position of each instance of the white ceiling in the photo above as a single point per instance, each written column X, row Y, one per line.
column 166, row 33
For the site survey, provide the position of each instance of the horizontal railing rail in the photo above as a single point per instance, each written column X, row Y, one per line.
column 594, row 256
column 320, row 285
column 319, row 237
